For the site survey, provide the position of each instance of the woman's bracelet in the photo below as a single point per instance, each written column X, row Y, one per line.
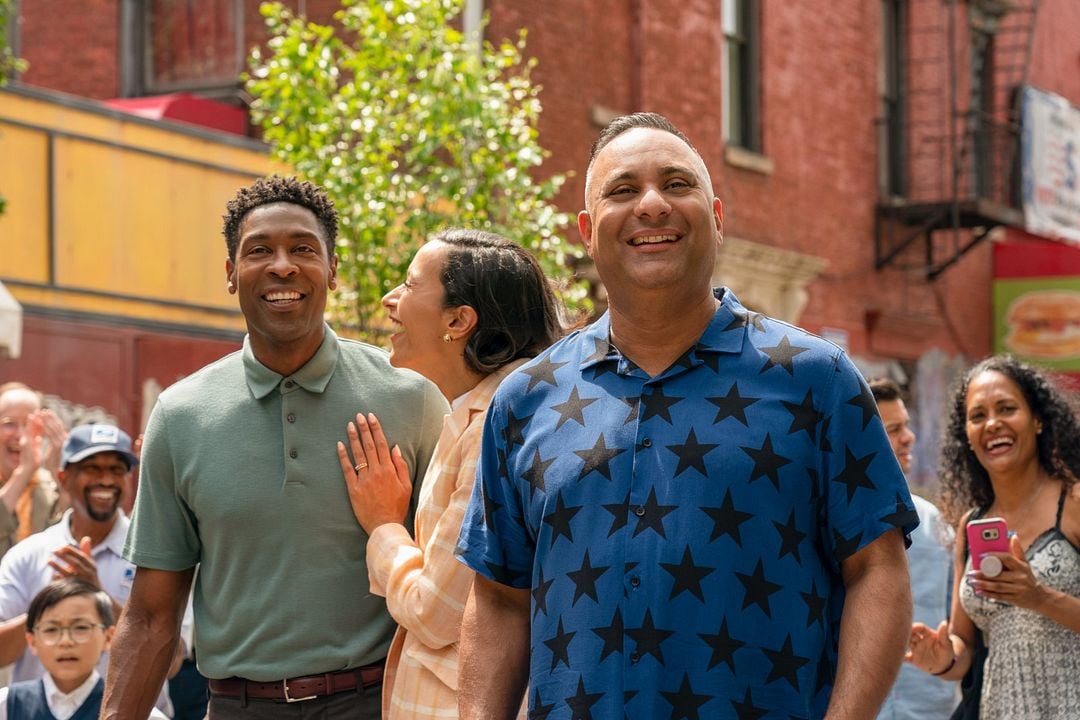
column 948, row 668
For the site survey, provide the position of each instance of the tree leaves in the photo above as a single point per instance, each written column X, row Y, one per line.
column 411, row 129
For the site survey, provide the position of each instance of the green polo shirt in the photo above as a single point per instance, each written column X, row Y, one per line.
column 240, row 474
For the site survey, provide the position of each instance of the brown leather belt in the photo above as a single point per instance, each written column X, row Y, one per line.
column 308, row 687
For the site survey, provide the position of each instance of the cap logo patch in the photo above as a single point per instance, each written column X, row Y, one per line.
column 104, row 434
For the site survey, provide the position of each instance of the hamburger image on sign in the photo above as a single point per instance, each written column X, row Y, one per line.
column 1045, row 324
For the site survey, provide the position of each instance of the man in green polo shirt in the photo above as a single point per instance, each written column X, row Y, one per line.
column 240, row 477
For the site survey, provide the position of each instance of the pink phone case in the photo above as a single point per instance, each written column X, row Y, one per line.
column 986, row 536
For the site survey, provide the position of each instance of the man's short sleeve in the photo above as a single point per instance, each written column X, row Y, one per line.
column 14, row 599
column 163, row 533
column 494, row 539
column 866, row 492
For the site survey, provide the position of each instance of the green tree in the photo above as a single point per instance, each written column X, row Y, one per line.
column 9, row 64
column 411, row 128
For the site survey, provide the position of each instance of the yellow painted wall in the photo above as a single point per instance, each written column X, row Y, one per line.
column 137, row 212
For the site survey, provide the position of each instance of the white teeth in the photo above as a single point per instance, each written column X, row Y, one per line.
column 651, row 239
column 103, row 494
column 997, row 442
column 278, row 296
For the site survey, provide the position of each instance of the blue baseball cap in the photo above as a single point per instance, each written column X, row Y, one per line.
column 87, row 440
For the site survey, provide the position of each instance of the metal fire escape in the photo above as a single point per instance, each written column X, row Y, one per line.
column 951, row 133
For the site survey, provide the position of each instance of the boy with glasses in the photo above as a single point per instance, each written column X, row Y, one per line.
column 69, row 625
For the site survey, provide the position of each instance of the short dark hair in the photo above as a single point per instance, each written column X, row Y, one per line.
column 275, row 189
column 885, row 389
column 517, row 313
column 965, row 484
column 59, row 590
column 625, row 123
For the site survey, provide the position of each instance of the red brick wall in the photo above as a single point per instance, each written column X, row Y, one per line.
column 71, row 47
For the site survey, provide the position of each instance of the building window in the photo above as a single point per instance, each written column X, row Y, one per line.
column 742, row 106
column 893, row 127
column 182, row 45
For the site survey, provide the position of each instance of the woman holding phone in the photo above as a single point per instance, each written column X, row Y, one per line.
column 473, row 307
column 1012, row 451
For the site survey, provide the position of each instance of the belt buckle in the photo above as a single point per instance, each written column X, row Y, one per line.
column 285, row 687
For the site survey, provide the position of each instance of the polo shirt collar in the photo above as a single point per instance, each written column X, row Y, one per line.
column 113, row 542
column 725, row 333
column 314, row 376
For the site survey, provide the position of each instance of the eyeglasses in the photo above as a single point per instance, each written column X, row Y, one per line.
column 80, row 632
column 97, row 472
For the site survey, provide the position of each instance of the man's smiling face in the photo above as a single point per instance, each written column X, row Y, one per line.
column 281, row 273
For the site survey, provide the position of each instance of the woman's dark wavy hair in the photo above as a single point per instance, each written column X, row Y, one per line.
column 517, row 313
column 965, row 484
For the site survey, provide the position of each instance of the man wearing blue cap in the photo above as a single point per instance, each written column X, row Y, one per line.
column 86, row 543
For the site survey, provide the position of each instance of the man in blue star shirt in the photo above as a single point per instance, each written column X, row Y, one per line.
column 687, row 509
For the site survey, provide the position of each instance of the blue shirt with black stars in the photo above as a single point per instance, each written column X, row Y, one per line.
column 681, row 535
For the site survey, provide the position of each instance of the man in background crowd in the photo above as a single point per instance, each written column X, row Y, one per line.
column 917, row 695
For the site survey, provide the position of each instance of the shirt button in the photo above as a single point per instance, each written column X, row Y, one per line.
column 635, row 656
column 635, row 581
column 293, row 454
column 639, row 511
column 291, row 417
column 647, row 442
column 289, row 383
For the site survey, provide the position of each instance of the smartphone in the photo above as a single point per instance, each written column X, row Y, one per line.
column 989, row 535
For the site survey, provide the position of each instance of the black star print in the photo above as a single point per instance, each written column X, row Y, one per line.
column 782, row 355
column 620, row 513
column 854, row 474
column 766, row 462
column 687, row 576
column 804, row 416
column 749, row 317
column 659, row 405
column 490, row 508
column 711, row 359
column 573, row 408
column 540, row 711
column 513, row 432
column 535, row 474
column 692, row 454
column 648, row 638
column 539, row 594
column 785, row 664
column 612, row 635
column 746, row 710
column 686, row 360
column 726, row 519
column 653, row 516
column 632, row 403
column 826, row 444
column 598, row 459
column 580, row 704
column 559, row 520
column 865, row 402
column 584, row 579
column 560, row 647
column 732, row 405
column 903, row 515
column 758, row 589
column 815, row 606
column 723, row 647
column 542, row 371
column 685, row 703
column 600, row 350
column 845, row 547
column 790, row 537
